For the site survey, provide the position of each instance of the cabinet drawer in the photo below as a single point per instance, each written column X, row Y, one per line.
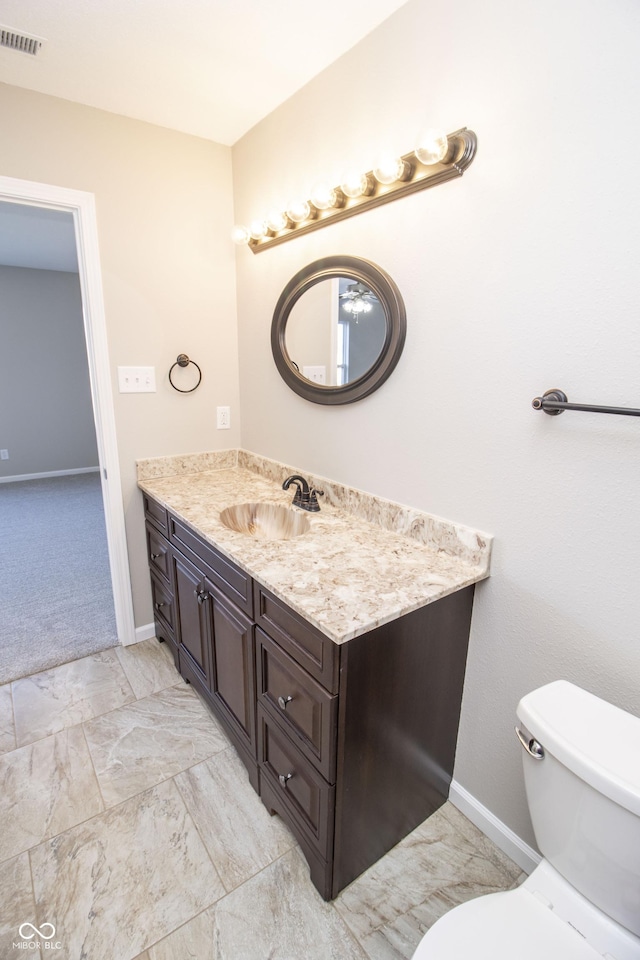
column 158, row 553
column 307, row 798
column 156, row 514
column 229, row 578
column 163, row 605
column 303, row 708
column 308, row 646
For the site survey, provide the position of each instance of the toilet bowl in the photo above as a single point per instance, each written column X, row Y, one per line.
column 582, row 775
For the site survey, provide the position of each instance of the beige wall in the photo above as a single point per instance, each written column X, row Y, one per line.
column 46, row 417
column 519, row 277
column 164, row 212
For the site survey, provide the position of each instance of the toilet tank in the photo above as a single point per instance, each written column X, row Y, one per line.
column 584, row 794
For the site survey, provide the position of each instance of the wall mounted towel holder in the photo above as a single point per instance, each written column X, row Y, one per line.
column 184, row 361
column 555, row 401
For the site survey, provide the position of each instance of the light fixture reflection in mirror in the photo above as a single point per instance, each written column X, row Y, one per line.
column 338, row 330
column 335, row 332
column 437, row 158
column 357, row 299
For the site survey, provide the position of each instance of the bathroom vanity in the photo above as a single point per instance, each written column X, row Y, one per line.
column 334, row 660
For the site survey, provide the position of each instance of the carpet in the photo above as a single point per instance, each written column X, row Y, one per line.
column 56, row 600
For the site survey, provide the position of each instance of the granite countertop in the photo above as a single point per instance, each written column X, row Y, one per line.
column 363, row 562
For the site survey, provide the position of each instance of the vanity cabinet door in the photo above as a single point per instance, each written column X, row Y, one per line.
column 232, row 665
column 194, row 628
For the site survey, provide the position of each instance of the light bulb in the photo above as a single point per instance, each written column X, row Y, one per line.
column 257, row 229
column 432, row 147
column 240, row 235
column 356, row 185
column 277, row 221
column 357, row 306
column 324, row 197
column 300, row 211
column 389, row 169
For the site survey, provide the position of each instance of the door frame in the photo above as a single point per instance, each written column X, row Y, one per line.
column 82, row 206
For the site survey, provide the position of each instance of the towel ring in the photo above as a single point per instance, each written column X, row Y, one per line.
column 184, row 361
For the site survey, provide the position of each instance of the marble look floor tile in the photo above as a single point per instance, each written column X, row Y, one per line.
column 278, row 915
column 194, row 940
column 17, row 905
column 7, row 726
column 233, row 822
column 149, row 666
column 50, row 701
column 141, row 744
column 48, row 786
column 436, row 867
column 126, row 879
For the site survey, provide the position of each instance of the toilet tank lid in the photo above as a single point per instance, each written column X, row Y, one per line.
column 598, row 742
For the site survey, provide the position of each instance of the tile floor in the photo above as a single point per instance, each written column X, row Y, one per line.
column 128, row 823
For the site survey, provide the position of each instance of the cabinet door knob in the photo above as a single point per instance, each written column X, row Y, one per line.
column 200, row 595
column 283, row 777
column 283, row 701
column 156, row 556
column 159, row 605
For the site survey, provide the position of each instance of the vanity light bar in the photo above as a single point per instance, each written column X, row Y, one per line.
column 391, row 178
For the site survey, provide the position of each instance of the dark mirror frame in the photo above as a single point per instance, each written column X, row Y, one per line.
column 362, row 271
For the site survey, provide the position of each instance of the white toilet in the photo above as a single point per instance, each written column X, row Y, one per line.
column 582, row 777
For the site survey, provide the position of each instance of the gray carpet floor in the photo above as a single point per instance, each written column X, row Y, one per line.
column 56, row 600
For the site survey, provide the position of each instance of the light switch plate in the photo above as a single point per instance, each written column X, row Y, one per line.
column 316, row 373
column 137, row 379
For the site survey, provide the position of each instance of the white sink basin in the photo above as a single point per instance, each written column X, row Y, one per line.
column 265, row 521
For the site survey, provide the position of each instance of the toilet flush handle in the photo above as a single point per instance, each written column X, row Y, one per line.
column 530, row 744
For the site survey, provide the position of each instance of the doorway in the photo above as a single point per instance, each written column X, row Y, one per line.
column 80, row 206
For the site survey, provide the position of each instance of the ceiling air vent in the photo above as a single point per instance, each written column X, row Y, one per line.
column 19, row 41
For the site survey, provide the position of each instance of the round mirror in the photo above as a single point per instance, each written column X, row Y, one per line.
column 338, row 330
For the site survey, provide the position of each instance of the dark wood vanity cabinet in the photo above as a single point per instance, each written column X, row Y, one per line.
column 162, row 585
column 351, row 744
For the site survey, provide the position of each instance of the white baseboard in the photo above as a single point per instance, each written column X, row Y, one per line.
column 145, row 632
column 49, row 473
column 509, row 842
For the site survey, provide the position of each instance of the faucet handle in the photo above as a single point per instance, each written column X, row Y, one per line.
column 313, row 499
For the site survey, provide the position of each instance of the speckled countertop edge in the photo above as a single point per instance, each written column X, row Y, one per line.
column 365, row 561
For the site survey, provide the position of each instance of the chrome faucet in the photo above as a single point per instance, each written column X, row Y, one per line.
column 306, row 498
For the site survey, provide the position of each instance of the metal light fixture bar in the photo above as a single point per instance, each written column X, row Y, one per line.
column 462, row 150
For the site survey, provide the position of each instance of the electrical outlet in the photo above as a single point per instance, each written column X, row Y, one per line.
column 223, row 418
column 137, row 379
column 4, row 454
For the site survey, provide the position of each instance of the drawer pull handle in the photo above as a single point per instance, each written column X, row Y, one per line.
column 283, row 777
column 283, row 701
column 156, row 556
column 201, row 595
column 159, row 605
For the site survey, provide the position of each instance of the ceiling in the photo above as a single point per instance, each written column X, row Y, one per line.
column 212, row 68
